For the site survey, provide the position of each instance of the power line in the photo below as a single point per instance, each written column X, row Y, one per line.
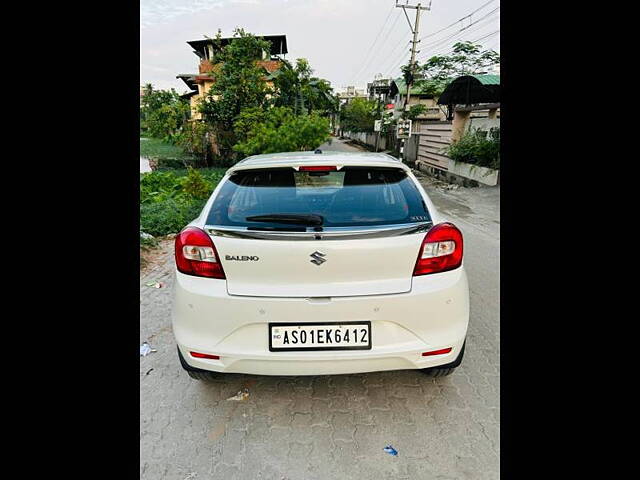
column 402, row 59
column 376, row 39
column 437, row 42
column 450, row 50
column 444, row 43
column 458, row 21
column 445, row 50
column 390, row 57
column 364, row 69
column 486, row 36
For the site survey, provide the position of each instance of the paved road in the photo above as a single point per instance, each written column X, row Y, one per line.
column 333, row 427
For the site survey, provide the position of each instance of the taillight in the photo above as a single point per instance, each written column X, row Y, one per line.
column 441, row 250
column 196, row 255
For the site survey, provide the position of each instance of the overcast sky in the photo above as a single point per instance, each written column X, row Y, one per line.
column 344, row 40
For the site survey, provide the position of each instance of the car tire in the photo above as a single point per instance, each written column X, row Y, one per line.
column 447, row 369
column 202, row 376
column 195, row 373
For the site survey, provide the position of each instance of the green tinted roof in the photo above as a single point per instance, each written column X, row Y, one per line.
column 488, row 79
column 402, row 87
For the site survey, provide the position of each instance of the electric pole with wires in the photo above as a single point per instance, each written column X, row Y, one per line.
column 414, row 43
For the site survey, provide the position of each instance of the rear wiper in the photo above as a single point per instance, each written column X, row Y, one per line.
column 310, row 219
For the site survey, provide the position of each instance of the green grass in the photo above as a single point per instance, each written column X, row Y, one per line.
column 156, row 148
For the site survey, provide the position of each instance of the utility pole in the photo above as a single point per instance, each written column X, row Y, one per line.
column 414, row 43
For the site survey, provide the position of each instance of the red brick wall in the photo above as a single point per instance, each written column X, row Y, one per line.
column 205, row 66
column 270, row 65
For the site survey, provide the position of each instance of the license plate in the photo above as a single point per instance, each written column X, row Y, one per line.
column 319, row 336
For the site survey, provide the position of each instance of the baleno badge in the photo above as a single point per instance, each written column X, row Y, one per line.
column 316, row 257
column 242, row 258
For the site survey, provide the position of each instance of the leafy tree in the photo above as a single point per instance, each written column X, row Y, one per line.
column 239, row 84
column 162, row 113
column 359, row 115
column 466, row 58
column 195, row 138
column 297, row 89
column 279, row 130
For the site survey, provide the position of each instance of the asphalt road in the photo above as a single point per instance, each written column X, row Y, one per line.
column 333, row 427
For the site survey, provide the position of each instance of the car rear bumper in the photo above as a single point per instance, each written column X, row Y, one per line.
column 432, row 316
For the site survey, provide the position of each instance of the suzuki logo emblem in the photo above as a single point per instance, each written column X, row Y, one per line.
column 316, row 257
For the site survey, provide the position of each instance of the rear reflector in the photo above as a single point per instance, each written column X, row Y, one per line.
column 437, row 352
column 204, row 355
column 318, row 168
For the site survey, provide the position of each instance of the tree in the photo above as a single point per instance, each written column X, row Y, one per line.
column 466, row 58
column 162, row 113
column 239, row 84
column 359, row 115
column 297, row 89
column 278, row 129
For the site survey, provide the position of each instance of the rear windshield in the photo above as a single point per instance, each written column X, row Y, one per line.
column 353, row 196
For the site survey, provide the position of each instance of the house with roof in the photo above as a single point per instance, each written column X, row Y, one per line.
column 478, row 94
column 208, row 51
column 472, row 101
column 418, row 95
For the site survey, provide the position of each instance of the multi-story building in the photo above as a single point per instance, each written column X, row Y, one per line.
column 208, row 51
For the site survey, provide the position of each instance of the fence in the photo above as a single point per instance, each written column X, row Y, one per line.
column 434, row 138
column 370, row 139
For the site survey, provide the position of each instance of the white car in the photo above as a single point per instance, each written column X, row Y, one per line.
column 316, row 263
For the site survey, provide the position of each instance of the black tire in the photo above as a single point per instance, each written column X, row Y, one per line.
column 447, row 369
column 200, row 375
column 196, row 373
column 439, row 372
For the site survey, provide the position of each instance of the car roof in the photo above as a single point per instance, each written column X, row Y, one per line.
column 295, row 159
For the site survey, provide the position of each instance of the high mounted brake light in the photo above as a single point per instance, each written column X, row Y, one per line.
column 441, row 250
column 318, row 168
column 196, row 254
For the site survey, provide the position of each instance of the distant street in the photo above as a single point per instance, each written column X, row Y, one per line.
column 336, row 145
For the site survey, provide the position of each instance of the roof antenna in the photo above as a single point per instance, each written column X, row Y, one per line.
column 318, row 151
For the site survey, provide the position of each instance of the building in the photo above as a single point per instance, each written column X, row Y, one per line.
column 380, row 89
column 208, row 51
column 350, row 93
column 417, row 96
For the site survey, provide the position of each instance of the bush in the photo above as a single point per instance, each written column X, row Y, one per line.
column 477, row 147
column 171, row 199
column 279, row 130
column 194, row 185
column 169, row 216
column 196, row 139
